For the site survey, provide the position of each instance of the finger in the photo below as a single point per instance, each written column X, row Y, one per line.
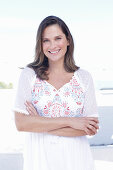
column 89, row 132
column 32, row 110
column 29, row 111
column 97, row 126
column 31, row 107
column 29, row 104
column 92, row 128
column 94, row 124
column 95, row 119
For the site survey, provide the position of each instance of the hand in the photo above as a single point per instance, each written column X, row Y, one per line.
column 31, row 109
column 88, row 124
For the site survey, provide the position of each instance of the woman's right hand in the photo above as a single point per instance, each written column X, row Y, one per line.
column 31, row 109
column 88, row 124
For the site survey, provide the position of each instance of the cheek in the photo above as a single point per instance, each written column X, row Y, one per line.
column 63, row 44
column 44, row 47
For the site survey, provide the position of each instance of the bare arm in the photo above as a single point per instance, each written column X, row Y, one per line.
column 69, row 132
column 56, row 126
column 35, row 123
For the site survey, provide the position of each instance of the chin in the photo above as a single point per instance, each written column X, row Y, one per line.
column 56, row 59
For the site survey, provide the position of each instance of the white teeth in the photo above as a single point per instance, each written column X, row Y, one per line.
column 53, row 52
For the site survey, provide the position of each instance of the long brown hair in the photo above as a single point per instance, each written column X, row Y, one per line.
column 40, row 63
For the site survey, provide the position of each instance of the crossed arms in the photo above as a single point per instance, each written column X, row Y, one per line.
column 61, row 126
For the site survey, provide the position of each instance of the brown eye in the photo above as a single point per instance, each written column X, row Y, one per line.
column 58, row 38
column 45, row 41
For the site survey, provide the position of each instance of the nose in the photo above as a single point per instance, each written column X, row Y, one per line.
column 52, row 44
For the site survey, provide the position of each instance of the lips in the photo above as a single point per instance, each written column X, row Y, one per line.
column 54, row 52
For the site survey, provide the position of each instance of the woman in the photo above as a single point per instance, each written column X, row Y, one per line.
column 56, row 104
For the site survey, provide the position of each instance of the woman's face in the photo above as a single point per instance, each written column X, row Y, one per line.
column 54, row 43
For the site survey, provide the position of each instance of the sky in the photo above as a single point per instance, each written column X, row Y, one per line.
column 90, row 22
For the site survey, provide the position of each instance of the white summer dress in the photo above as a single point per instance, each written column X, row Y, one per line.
column 75, row 99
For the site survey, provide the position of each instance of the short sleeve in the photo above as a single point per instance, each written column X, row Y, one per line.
column 90, row 106
column 24, row 88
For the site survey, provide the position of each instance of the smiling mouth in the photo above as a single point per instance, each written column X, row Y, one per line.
column 54, row 52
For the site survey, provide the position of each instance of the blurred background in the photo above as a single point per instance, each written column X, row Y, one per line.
column 91, row 24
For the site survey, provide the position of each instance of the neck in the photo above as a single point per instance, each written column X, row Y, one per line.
column 56, row 68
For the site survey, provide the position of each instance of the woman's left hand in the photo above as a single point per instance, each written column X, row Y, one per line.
column 31, row 109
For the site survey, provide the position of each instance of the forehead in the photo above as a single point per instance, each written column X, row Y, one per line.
column 52, row 30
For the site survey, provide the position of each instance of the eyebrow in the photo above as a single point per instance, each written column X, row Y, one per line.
column 54, row 37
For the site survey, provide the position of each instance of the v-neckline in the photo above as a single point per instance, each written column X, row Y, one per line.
column 62, row 85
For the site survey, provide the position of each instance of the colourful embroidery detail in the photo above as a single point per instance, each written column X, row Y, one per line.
column 66, row 102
